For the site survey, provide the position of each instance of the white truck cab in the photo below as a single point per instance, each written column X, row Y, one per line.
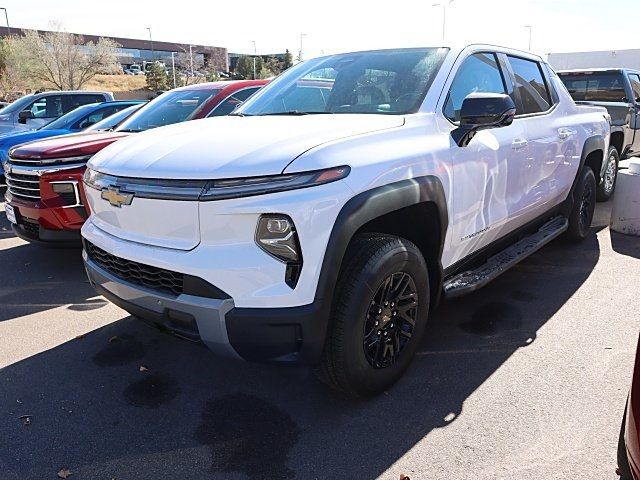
column 324, row 219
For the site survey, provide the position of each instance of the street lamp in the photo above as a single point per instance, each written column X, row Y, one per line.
column 153, row 55
column 173, row 68
column 191, row 58
column 444, row 16
column 255, row 52
column 7, row 18
column 530, row 27
column 302, row 35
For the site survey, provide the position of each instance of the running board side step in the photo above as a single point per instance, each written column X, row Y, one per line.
column 471, row 280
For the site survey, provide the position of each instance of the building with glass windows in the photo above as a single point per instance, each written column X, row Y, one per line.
column 133, row 51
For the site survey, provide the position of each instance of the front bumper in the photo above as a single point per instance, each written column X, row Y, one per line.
column 280, row 335
column 48, row 219
column 176, row 313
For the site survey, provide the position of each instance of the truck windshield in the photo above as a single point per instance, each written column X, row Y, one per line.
column 382, row 82
column 595, row 87
column 17, row 106
column 171, row 107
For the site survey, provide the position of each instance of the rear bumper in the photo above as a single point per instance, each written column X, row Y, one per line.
column 281, row 335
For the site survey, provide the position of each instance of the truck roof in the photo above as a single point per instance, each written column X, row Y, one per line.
column 595, row 70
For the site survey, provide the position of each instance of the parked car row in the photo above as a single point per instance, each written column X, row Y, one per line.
column 323, row 219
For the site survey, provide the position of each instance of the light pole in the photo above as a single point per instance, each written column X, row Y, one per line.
column 302, row 35
column 255, row 52
column 6, row 16
column 191, row 58
column 444, row 16
column 173, row 68
column 530, row 27
column 153, row 54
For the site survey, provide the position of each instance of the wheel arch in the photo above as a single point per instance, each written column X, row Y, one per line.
column 403, row 203
column 593, row 155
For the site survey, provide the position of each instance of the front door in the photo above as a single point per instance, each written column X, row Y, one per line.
column 481, row 170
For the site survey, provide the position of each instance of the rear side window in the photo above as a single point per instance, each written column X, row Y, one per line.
column 76, row 100
column 530, row 84
column 595, row 87
column 478, row 73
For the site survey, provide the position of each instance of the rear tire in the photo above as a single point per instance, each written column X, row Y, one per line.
column 379, row 315
column 583, row 207
column 608, row 185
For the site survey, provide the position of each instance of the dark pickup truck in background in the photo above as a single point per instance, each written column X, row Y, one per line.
column 618, row 90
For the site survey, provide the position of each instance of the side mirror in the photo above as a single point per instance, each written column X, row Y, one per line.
column 481, row 111
column 25, row 115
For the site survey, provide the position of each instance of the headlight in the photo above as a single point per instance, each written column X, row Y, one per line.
column 276, row 235
column 245, row 187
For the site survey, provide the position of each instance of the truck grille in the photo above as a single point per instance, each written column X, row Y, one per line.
column 22, row 162
column 145, row 275
column 23, row 186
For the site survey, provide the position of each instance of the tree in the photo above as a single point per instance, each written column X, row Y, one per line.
column 60, row 59
column 157, row 77
column 287, row 61
column 273, row 65
column 245, row 67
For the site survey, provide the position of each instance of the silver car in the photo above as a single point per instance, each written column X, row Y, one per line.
column 35, row 110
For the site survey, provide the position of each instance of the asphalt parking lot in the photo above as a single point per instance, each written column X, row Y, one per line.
column 525, row 379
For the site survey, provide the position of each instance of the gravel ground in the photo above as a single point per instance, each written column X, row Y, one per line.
column 525, row 379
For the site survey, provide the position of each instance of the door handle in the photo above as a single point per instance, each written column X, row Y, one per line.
column 519, row 144
column 564, row 133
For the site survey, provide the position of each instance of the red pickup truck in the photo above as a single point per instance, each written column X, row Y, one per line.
column 46, row 203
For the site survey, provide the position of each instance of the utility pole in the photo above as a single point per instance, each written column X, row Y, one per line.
column 530, row 27
column 6, row 16
column 153, row 54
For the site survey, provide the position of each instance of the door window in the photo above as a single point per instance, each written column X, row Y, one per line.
column 634, row 78
column 95, row 117
column 531, row 86
column 47, row 107
column 229, row 104
column 478, row 73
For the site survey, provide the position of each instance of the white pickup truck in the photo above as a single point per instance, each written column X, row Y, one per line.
column 325, row 218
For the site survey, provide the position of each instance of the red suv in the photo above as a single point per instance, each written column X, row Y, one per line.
column 45, row 199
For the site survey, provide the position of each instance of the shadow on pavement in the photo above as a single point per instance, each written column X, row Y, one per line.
column 191, row 415
column 36, row 278
column 626, row 244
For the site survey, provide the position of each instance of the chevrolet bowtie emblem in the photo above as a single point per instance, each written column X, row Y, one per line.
column 115, row 197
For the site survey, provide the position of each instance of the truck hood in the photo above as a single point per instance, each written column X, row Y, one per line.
column 73, row 145
column 229, row 147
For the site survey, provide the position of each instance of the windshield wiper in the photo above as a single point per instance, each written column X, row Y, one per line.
column 294, row 112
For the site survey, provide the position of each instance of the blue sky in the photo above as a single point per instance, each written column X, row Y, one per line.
column 333, row 25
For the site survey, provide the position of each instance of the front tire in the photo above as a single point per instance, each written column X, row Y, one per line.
column 608, row 185
column 583, row 207
column 379, row 315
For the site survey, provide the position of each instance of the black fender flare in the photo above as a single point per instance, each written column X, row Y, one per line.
column 293, row 334
column 591, row 144
column 368, row 206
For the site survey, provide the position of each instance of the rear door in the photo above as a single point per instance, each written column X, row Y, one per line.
column 481, row 170
column 542, row 178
